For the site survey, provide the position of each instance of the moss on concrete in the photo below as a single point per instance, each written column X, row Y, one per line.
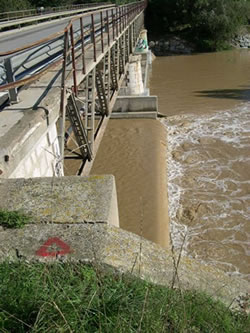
column 67, row 204
column 60, row 200
column 104, row 244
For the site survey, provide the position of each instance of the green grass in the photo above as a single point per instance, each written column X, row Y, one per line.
column 80, row 298
column 13, row 219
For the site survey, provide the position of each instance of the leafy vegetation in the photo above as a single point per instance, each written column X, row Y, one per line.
column 78, row 298
column 11, row 5
column 13, row 219
column 208, row 23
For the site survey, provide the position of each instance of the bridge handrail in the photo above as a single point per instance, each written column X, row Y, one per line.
column 121, row 15
column 16, row 14
column 30, row 19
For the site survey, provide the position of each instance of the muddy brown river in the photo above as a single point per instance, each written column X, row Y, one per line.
column 207, row 100
column 207, row 148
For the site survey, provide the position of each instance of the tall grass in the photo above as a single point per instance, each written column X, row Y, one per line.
column 70, row 297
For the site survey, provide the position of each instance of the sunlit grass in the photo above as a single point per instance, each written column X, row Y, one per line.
column 81, row 298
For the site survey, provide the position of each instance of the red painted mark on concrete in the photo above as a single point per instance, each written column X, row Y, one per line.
column 47, row 249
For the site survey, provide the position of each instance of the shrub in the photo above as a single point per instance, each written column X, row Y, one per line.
column 209, row 23
column 13, row 219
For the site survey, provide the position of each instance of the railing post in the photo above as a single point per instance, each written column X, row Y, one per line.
column 116, row 23
column 109, row 81
column 132, row 36
column 117, row 60
column 73, row 58
column 82, row 43
column 61, row 130
column 101, row 18
column 113, row 23
column 123, row 17
column 107, row 25
column 92, row 137
column 10, row 78
column 120, row 20
column 93, row 35
column 128, row 44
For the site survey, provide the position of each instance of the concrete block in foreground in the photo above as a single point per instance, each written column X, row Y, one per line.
column 70, row 199
column 127, row 252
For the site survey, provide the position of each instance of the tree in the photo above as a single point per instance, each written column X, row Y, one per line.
column 11, row 5
column 51, row 3
column 210, row 23
column 215, row 22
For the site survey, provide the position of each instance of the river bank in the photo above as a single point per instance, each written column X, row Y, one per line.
column 174, row 44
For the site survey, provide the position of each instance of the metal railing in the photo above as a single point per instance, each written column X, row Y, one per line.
column 45, row 17
column 111, row 22
column 91, row 73
column 115, row 26
column 19, row 14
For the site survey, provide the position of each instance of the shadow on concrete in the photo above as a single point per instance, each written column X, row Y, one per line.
column 238, row 94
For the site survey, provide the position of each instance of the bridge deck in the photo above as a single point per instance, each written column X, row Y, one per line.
column 39, row 105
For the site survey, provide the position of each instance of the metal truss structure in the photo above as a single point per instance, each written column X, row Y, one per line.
column 92, row 95
column 94, row 61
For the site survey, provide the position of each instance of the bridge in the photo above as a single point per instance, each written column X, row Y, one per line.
column 63, row 88
column 78, row 72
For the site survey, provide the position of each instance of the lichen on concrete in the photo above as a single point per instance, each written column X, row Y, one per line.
column 127, row 252
column 66, row 204
column 61, row 200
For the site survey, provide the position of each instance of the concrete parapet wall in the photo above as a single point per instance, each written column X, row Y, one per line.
column 28, row 138
column 63, row 200
column 104, row 244
column 41, row 160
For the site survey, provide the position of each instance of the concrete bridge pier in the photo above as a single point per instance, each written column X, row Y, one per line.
column 135, row 84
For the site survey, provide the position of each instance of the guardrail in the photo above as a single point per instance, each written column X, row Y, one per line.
column 50, row 15
column 25, row 62
column 113, row 34
column 18, row 14
column 70, row 40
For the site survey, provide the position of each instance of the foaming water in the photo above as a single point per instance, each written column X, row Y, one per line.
column 209, row 186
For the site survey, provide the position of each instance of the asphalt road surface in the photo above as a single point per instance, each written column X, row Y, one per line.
column 37, row 32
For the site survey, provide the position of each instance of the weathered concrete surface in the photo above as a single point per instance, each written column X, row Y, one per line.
column 136, row 104
column 135, row 115
column 63, row 200
column 135, row 76
column 28, row 138
column 100, row 243
column 3, row 97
